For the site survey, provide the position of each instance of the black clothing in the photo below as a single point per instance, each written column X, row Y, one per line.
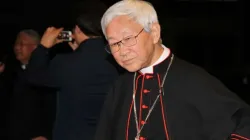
column 195, row 106
column 82, row 78
column 29, row 111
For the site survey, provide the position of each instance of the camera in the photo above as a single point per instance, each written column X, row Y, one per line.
column 65, row 36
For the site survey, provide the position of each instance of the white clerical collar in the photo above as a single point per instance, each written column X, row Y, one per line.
column 23, row 66
column 163, row 56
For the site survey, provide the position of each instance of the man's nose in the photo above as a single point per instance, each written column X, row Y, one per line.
column 18, row 46
column 123, row 50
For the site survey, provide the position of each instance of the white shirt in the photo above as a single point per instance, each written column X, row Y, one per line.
column 164, row 55
column 23, row 66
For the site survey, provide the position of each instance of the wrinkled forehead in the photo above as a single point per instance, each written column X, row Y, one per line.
column 120, row 27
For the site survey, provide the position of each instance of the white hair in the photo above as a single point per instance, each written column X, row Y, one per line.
column 31, row 33
column 141, row 11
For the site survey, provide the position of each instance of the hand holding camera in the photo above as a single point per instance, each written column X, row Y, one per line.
column 53, row 36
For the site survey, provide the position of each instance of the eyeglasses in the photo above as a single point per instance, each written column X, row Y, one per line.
column 126, row 42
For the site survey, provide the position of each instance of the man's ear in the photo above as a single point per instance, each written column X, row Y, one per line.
column 77, row 29
column 156, row 32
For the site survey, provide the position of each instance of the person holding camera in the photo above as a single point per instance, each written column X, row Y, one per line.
column 82, row 77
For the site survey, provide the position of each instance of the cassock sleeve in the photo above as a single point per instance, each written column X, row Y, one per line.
column 242, row 124
column 40, row 70
column 103, row 131
column 228, row 115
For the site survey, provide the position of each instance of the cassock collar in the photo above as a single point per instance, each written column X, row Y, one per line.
column 164, row 58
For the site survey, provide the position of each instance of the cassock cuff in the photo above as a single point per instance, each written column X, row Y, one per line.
column 238, row 137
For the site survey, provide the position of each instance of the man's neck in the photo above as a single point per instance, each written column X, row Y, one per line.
column 75, row 45
column 157, row 54
column 161, row 57
column 23, row 62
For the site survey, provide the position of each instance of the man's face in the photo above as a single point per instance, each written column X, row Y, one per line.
column 75, row 35
column 23, row 47
column 78, row 35
column 131, row 57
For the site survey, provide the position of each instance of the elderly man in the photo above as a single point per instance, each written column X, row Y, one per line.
column 162, row 97
column 31, row 113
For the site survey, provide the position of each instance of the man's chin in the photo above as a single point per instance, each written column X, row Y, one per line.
column 19, row 58
column 132, row 68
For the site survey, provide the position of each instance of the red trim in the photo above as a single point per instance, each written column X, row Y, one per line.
column 240, row 137
column 234, row 139
column 130, row 109
column 142, row 86
column 131, row 105
column 162, row 110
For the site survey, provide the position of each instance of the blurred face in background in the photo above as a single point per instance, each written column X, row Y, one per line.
column 23, row 47
column 78, row 35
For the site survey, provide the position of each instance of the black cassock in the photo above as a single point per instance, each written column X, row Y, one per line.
column 192, row 105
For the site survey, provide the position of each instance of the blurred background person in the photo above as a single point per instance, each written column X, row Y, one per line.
column 82, row 76
column 30, row 110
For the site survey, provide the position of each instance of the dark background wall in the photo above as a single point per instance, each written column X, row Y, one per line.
column 209, row 33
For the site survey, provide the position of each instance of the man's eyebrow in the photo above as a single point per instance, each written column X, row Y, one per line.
column 109, row 38
column 124, row 32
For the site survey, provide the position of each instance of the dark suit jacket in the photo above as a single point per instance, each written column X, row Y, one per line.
column 30, row 110
column 82, row 78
